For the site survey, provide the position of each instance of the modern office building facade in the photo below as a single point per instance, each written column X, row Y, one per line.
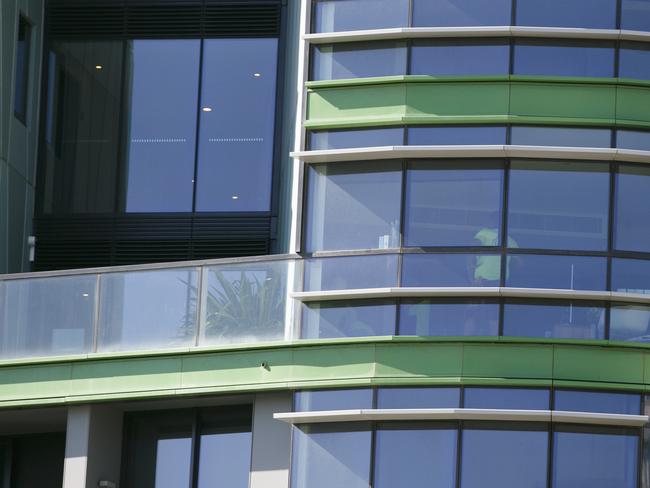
column 349, row 243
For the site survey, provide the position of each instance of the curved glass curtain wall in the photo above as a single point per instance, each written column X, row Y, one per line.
column 348, row 15
column 469, row 453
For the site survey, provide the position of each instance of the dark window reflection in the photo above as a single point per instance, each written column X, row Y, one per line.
column 452, row 205
column 237, row 123
column 418, row 397
column 504, row 458
column 342, row 139
column 631, row 275
column 567, row 272
column 547, row 58
column 556, row 320
column 635, row 15
column 345, row 15
column 161, row 121
column 634, row 60
column 598, row 401
column 591, row 14
column 348, row 272
column 451, row 269
column 323, row 400
column 358, row 318
column 460, row 58
column 507, row 398
column 456, row 136
column 455, row 13
column 631, row 231
column 358, row 60
column 631, row 139
column 435, row 318
column 412, row 454
column 597, row 460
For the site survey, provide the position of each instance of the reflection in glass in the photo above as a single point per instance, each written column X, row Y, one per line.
column 635, row 15
column 504, row 458
column 631, row 276
column 46, row 317
column 224, row 459
column 342, row 139
column 631, row 231
column 161, row 124
column 349, row 272
column 460, row 13
column 634, row 61
column 173, row 457
column 452, row 205
column 451, row 269
column 629, row 323
column 245, row 302
column 559, row 205
column 597, row 401
column 353, row 206
column 418, row 397
column 435, row 318
column 560, row 136
column 597, row 460
column 323, row 400
column 148, row 310
column 565, row 58
column 557, row 320
column 358, row 60
column 359, row 318
column 345, row 15
column 236, row 135
column 632, row 139
column 590, row 14
column 415, row 455
column 549, row 271
column 460, row 58
column 456, row 136
column 326, row 456
column 507, row 398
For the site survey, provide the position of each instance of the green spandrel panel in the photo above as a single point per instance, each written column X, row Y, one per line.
column 507, row 361
column 29, row 382
column 633, row 104
column 412, row 360
column 457, row 99
column 598, row 364
column 354, row 361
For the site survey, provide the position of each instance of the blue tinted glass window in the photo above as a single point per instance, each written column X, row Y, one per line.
column 631, row 275
column 237, row 124
column 597, row 401
column 631, row 139
column 460, row 58
column 568, row 272
column 225, row 459
column 504, row 459
column 507, row 398
column 558, row 205
column 346, row 15
column 560, row 136
column 418, row 397
column 353, row 206
column 455, row 136
column 635, row 15
column 452, row 205
column 325, row 456
column 591, row 14
column 557, row 320
column 323, row 400
column 456, row 13
column 634, row 61
column 451, row 269
column 162, row 121
column 348, row 272
column 358, row 60
column 629, row 323
column 342, row 139
column 357, row 318
column 549, row 58
column 408, row 456
column 433, row 318
column 631, row 230
column 596, row 460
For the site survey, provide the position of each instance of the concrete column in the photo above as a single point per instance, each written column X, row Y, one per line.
column 271, row 442
column 93, row 448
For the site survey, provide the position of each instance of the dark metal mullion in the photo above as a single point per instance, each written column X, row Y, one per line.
column 610, row 239
column 549, row 460
column 410, row 14
column 197, row 129
column 373, row 446
column 459, row 447
column 513, row 12
column 196, row 446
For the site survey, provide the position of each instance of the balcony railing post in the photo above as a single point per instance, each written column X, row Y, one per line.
column 96, row 311
column 201, row 303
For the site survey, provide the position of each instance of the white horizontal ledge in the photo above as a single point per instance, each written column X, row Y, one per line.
column 505, row 415
column 477, row 31
column 471, row 151
column 469, row 292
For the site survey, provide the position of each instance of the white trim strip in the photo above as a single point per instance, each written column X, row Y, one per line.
column 470, row 292
column 478, row 31
column 494, row 151
column 508, row 415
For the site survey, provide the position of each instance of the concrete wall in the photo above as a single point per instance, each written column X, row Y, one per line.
column 18, row 143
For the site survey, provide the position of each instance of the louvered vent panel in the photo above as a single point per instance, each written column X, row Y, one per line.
column 165, row 21
column 242, row 20
column 85, row 21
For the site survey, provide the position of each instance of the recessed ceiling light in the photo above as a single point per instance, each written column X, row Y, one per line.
column 99, row 66
column 235, row 197
column 85, row 295
column 257, row 75
column 207, row 109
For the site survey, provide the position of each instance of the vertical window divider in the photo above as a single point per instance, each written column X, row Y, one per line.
column 549, row 460
column 402, row 200
column 610, row 237
column 409, row 47
column 96, row 312
column 459, row 444
column 409, row 21
column 201, row 305
column 196, row 446
column 198, row 127
column 513, row 13
column 120, row 174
